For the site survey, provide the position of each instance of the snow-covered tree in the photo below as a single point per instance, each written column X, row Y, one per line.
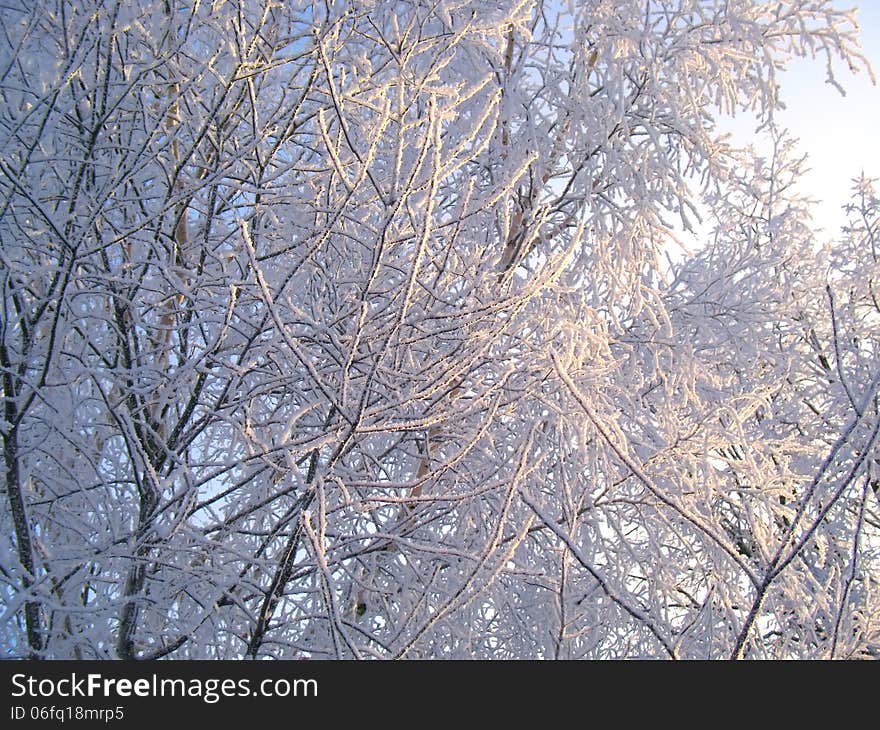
column 348, row 330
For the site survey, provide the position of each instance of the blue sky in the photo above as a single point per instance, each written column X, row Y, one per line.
column 838, row 133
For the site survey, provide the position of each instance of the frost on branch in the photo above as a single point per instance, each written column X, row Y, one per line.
column 347, row 332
